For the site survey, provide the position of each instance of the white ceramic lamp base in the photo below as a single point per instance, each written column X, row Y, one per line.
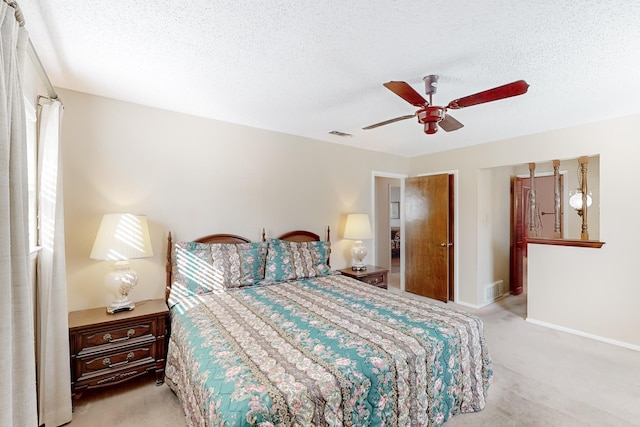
column 359, row 252
column 121, row 282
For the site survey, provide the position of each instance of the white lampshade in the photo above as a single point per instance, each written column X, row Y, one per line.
column 358, row 227
column 122, row 236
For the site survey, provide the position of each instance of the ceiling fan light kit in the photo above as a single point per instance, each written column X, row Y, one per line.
column 432, row 116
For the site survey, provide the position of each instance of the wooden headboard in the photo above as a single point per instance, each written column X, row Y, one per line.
column 291, row 236
column 303, row 236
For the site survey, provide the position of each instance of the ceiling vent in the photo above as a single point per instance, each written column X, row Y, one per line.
column 338, row 133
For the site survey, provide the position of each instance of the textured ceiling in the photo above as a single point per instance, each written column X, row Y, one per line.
column 309, row 67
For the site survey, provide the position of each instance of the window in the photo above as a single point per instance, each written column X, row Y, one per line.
column 32, row 171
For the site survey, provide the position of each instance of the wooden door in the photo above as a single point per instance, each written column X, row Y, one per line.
column 427, row 234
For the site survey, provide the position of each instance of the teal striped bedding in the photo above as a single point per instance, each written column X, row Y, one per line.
column 327, row 351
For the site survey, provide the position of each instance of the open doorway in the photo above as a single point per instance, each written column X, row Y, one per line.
column 395, row 244
column 387, row 222
column 539, row 223
column 387, row 229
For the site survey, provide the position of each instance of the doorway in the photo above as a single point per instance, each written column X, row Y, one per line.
column 539, row 222
column 387, row 202
column 382, row 228
column 429, row 235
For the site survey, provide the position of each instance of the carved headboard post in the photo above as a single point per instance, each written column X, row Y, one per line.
column 169, row 267
column 329, row 240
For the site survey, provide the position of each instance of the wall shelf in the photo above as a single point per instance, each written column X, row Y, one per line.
column 566, row 242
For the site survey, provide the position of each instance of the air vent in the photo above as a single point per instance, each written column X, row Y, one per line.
column 495, row 291
column 338, row 133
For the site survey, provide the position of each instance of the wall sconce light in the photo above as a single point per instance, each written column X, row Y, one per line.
column 358, row 228
column 121, row 237
column 575, row 200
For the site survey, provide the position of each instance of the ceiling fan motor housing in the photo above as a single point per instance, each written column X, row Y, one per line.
column 430, row 116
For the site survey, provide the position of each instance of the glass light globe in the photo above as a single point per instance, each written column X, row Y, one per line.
column 575, row 199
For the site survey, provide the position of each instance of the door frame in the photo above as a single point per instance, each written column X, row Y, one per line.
column 456, row 208
column 374, row 243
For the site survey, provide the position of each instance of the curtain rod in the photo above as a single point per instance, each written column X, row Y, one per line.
column 31, row 51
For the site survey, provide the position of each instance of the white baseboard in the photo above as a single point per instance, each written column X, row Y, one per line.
column 484, row 304
column 584, row 334
column 466, row 304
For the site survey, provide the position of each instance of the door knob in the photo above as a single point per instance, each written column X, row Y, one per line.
column 443, row 244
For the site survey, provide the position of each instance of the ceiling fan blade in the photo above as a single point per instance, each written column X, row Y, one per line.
column 406, row 92
column 386, row 122
column 449, row 124
column 506, row 91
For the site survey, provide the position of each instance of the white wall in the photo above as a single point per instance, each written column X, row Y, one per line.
column 602, row 299
column 194, row 176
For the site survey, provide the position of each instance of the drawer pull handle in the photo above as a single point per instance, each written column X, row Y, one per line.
column 107, row 336
column 107, row 361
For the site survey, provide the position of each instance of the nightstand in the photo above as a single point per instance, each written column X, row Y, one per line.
column 376, row 276
column 107, row 349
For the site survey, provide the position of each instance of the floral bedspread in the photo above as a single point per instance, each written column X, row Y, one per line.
column 328, row 351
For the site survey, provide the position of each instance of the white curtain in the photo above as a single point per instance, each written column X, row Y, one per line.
column 17, row 353
column 54, row 393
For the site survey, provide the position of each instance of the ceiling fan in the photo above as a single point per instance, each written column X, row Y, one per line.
column 433, row 116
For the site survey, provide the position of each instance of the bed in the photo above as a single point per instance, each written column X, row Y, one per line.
column 265, row 334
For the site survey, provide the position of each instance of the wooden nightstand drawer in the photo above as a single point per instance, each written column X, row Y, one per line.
column 108, row 349
column 133, row 331
column 375, row 280
column 106, row 361
column 116, row 376
column 376, row 276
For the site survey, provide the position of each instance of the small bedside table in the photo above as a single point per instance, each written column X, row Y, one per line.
column 376, row 276
column 108, row 349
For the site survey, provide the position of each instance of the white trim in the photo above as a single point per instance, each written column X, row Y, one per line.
column 466, row 304
column 584, row 334
column 484, row 304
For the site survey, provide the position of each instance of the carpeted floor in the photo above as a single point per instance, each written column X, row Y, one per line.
column 542, row 377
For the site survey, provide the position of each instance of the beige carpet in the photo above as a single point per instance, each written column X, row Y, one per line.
column 542, row 377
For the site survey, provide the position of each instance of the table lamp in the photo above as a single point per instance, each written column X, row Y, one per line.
column 121, row 237
column 358, row 228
